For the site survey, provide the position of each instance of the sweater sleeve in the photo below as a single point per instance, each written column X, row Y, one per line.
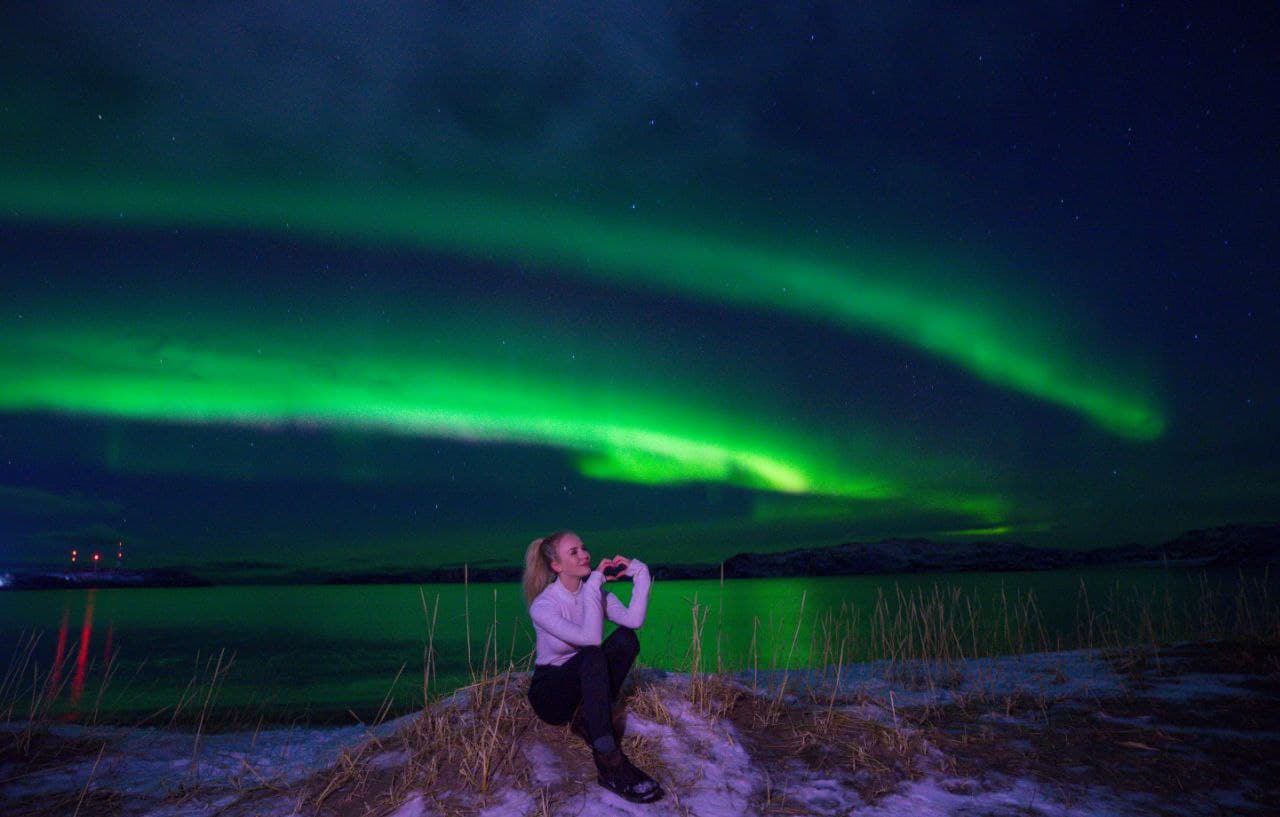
column 587, row 634
column 632, row 616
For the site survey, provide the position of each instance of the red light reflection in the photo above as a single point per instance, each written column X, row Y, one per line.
column 82, row 657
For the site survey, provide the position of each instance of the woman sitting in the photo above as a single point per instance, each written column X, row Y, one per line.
column 576, row 674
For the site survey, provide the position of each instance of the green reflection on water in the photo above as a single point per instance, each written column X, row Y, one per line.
column 334, row 652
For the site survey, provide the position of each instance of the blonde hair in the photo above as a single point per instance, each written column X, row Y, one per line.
column 537, row 564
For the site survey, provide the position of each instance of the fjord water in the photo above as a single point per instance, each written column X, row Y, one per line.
column 338, row 652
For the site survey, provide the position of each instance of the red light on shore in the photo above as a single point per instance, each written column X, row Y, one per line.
column 97, row 556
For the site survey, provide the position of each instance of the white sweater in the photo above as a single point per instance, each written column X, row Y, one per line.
column 566, row 622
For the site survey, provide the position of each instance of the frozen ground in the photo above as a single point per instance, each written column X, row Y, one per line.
column 1196, row 732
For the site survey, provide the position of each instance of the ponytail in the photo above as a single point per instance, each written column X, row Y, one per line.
column 537, row 564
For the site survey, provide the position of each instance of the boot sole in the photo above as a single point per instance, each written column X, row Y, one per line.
column 653, row 796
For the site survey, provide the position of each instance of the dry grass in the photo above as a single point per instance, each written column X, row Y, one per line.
column 1168, row 752
column 457, row 752
column 463, row 750
column 870, row 756
column 647, row 702
column 30, row 695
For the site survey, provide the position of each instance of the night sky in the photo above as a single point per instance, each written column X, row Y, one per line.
column 341, row 287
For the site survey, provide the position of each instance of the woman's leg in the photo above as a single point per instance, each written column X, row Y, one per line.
column 555, row 692
column 597, row 703
column 620, row 650
column 592, row 677
column 602, row 671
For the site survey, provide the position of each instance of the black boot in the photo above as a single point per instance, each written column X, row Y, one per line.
column 617, row 774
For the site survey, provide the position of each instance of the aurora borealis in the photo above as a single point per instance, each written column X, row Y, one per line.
column 309, row 288
column 702, row 265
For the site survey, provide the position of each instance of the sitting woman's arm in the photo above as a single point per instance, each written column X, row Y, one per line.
column 587, row 634
column 632, row 616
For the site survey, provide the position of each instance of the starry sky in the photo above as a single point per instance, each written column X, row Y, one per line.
column 318, row 287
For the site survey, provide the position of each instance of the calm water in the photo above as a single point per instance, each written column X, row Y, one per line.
column 331, row 652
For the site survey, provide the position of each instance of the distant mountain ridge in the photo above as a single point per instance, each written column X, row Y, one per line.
column 1227, row 546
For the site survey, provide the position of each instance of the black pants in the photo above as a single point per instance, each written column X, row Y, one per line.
column 592, row 677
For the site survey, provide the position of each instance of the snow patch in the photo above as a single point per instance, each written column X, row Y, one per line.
column 415, row 806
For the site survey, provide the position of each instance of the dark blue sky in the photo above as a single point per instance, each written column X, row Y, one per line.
column 1093, row 187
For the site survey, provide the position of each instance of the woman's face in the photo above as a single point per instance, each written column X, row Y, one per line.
column 572, row 558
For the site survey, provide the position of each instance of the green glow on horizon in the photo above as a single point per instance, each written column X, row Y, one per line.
column 998, row 530
column 903, row 304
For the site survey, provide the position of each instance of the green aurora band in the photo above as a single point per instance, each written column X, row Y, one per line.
column 615, row 434
column 853, row 296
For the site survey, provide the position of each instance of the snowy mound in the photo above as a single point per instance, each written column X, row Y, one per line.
column 1192, row 730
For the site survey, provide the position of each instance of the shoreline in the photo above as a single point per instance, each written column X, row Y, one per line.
column 1243, row 547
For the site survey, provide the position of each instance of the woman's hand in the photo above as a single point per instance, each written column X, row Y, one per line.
column 614, row 568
